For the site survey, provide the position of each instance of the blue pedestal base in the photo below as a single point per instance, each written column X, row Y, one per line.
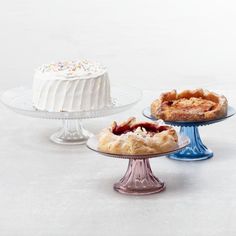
column 196, row 150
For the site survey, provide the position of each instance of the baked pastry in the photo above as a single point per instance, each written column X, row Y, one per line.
column 71, row 86
column 137, row 138
column 189, row 105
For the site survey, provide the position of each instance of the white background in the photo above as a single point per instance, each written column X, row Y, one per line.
column 46, row 189
column 146, row 43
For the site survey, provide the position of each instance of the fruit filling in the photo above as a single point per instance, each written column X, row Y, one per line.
column 150, row 128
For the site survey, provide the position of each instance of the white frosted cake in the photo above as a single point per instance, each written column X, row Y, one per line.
column 71, row 86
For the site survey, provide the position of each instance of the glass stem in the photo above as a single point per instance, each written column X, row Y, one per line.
column 139, row 179
column 72, row 128
column 72, row 132
column 196, row 150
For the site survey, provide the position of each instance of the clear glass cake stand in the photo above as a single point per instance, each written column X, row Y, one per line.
column 196, row 150
column 72, row 132
column 139, row 178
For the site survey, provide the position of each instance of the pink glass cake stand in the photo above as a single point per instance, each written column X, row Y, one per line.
column 72, row 132
column 139, row 178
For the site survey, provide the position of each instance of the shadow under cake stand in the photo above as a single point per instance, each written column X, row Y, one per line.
column 72, row 132
column 196, row 150
column 139, row 178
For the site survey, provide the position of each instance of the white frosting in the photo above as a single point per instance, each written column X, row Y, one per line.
column 71, row 86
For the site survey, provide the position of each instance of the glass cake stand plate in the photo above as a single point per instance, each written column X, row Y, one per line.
column 20, row 101
column 196, row 150
column 139, row 178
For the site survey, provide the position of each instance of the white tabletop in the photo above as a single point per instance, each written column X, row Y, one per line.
column 48, row 189
column 52, row 190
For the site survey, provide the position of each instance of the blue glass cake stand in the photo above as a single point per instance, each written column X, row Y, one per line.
column 196, row 150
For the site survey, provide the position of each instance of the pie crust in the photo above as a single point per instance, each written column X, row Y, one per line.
column 137, row 138
column 189, row 105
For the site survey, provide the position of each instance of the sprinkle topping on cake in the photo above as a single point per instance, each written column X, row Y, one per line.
column 73, row 68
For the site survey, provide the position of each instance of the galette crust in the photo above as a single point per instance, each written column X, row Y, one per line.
column 189, row 105
column 138, row 142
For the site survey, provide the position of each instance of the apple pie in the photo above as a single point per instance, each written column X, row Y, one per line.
column 137, row 138
column 189, row 105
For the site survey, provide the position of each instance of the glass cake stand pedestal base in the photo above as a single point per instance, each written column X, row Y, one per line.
column 139, row 178
column 196, row 150
column 72, row 133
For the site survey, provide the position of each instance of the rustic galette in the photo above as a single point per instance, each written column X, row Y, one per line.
column 189, row 105
column 137, row 138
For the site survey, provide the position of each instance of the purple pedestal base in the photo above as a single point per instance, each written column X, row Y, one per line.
column 139, row 179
